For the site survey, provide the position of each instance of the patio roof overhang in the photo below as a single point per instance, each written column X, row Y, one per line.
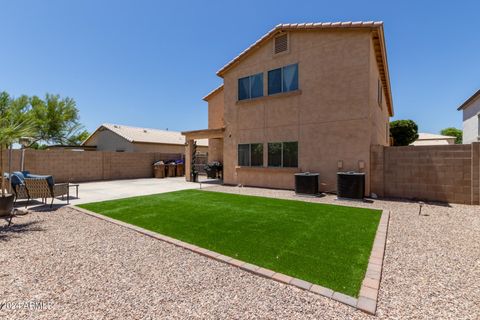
column 204, row 134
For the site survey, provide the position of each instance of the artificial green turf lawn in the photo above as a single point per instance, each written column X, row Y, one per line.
column 325, row 244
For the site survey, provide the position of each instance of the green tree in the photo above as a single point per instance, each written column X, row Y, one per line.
column 453, row 132
column 77, row 138
column 14, row 124
column 56, row 120
column 403, row 132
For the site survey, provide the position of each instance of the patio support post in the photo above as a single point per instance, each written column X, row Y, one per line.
column 188, row 159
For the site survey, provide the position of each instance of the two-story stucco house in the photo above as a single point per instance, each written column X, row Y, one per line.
column 471, row 118
column 303, row 98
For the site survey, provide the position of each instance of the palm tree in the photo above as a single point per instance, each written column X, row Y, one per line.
column 14, row 124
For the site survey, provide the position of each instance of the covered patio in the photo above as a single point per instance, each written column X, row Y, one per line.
column 215, row 147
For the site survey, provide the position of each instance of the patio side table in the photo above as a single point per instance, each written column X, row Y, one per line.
column 75, row 185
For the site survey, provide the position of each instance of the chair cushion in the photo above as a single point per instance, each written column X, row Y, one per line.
column 19, row 175
column 50, row 180
column 17, row 180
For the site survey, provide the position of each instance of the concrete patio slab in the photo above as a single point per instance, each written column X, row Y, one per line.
column 118, row 189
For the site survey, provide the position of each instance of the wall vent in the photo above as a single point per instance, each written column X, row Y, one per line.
column 281, row 43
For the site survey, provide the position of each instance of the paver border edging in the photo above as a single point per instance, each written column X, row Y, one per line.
column 368, row 297
column 367, row 300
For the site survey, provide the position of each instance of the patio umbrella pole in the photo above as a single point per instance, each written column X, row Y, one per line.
column 22, row 159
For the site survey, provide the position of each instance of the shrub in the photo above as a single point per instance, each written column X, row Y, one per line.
column 403, row 132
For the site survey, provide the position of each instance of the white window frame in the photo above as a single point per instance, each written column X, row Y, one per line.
column 282, row 77
column 250, row 86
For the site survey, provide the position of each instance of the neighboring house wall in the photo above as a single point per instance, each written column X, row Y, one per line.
column 107, row 140
column 334, row 116
column 471, row 123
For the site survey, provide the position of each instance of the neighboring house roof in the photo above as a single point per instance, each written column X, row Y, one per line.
column 432, row 139
column 213, row 92
column 145, row 135
column 467, row 102
column 379, row 43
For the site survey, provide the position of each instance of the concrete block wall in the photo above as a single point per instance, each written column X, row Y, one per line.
column 435, row 173
column 73, row 166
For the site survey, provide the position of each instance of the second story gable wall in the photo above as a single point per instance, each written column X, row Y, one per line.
column 333, row 66
column 215, row 111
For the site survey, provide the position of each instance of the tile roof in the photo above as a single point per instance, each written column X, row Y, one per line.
column 147, row 135
column 432, row 136
column 431, row 139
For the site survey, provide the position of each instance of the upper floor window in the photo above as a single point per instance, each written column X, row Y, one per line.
column 283, row 79
column 250, row 87
column 250, row 155
column 283, row 154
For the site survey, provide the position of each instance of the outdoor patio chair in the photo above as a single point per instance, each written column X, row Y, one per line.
column 17, row 181
column 20, row 192
column 40, row 188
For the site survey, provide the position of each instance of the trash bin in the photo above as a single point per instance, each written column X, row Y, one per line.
column 180, row 170
column 171, row 168
column 159, row 169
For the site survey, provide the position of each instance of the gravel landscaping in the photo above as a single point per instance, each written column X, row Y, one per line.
column 83, row 267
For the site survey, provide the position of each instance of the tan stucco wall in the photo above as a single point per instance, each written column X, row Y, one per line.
column 215, row 110
column 331, row 116
column 215, row 121
column 215, row 150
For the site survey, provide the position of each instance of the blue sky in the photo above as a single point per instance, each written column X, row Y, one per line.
column 149, row 63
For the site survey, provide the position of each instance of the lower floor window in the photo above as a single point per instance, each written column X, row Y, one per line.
column 243, row 154
column 250, row 155
column 283, row 154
